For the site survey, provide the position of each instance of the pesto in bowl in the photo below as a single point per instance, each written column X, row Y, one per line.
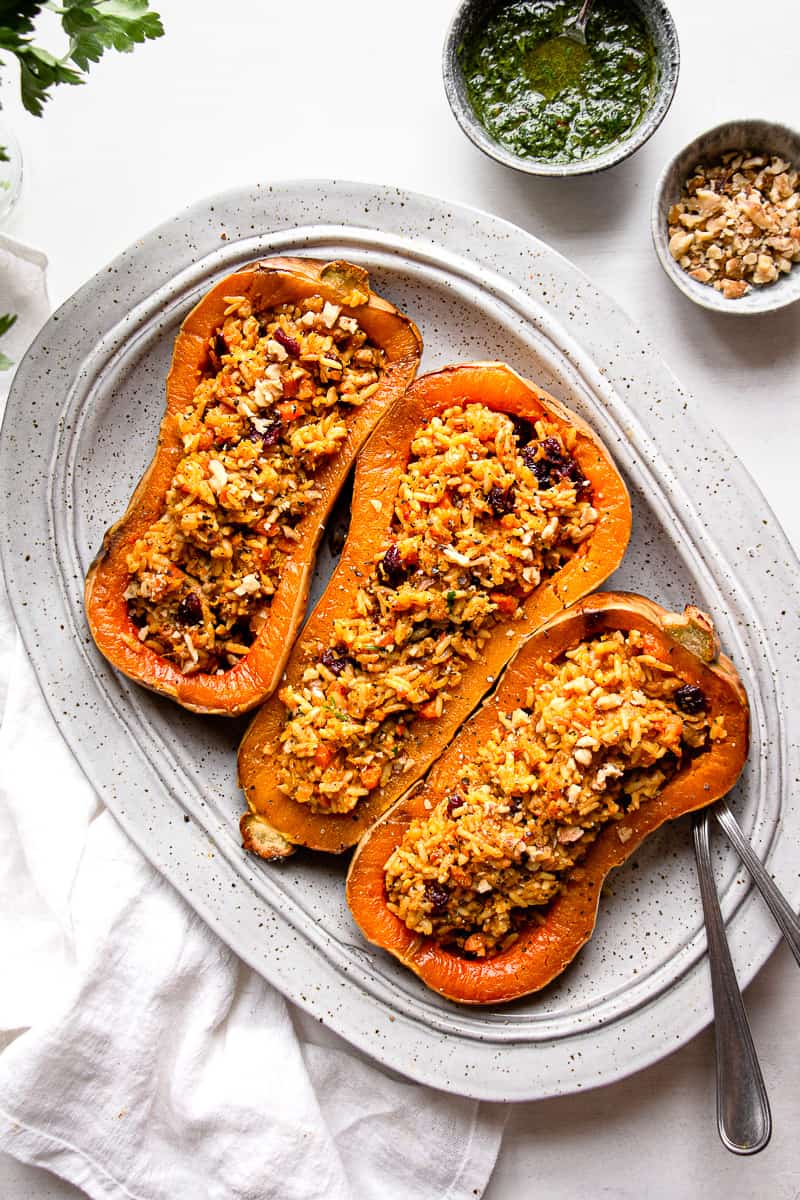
column 545, row 96
column 531, row 101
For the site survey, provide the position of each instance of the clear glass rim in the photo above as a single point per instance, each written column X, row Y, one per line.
column 10, row 172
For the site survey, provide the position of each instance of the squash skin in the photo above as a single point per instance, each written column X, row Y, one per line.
column 543, row 951
column 272, row 814
column 267, row 283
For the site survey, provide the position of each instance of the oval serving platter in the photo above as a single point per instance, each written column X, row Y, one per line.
column 84, row 408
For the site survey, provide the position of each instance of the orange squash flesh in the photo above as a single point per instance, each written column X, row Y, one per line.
column 542, row 951
column 276, row 822
column 267, row 284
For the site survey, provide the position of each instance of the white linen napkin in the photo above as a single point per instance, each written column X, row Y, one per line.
column 157, row 1066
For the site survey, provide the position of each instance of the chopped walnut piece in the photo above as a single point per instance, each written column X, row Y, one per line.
column 735, row 224
column 781, row 188
column 732, row 289
column 679, row 243
column 765, row 270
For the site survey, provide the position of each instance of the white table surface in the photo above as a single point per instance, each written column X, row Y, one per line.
column 246, row 91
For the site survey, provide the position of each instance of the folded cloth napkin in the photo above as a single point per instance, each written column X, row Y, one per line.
column 156, row 1066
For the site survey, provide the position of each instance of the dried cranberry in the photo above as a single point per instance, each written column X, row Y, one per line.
column 501, row 502
column 690, row 699
column 290, row 344
column 270, row 437
column 523, row 430
column 190, row 610
column 553, row 464
column 540, row 467
column 571, row 471
column 334, row 662
column 437, row 896
column 392, row 566
column 454, row 802
column 137, row 618
column 220, row 345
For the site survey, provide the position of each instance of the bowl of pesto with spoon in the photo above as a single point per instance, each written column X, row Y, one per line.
column 534, row 96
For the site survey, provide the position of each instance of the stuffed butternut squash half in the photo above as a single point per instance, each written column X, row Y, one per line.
column 278, row 376
column 615, row 717
column 481, row 508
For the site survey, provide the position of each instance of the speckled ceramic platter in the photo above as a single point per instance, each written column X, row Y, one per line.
column 79, row 428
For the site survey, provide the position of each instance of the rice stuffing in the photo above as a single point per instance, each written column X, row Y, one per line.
column 269, row 412
column 599, row 737
column 488, row 506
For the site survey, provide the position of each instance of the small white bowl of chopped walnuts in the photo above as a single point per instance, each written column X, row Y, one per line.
column 726, row 218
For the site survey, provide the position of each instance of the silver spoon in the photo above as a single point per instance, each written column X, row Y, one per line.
column 743, row 1116
column 576, row 28
column 774, row 898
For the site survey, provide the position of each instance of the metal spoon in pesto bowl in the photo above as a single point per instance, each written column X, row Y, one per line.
column 575, row 27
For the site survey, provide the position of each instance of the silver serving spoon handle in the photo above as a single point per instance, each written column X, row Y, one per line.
column 576, row 28
column 743, row 1116
column 774, row 898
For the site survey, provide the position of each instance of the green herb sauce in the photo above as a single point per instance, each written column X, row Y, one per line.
column 545, row 96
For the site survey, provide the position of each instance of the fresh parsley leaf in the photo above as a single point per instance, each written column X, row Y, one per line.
column 38, row 72
column 4, row 155
column 94, row 27
column 6, row 321
column 17, row 18
column 451, row 599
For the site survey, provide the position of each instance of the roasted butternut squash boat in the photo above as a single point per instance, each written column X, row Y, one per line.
column 615, row 717
column 278, row 376
column 481, row 508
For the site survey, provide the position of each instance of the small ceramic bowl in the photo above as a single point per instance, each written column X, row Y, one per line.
column 765, row 136
column 471, row 14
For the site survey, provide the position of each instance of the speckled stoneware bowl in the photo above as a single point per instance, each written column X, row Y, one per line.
column 752, row 135
column 470, row 14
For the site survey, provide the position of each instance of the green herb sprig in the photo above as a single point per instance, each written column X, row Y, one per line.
column 337, row 712
column 6, row 321
column 92, row 26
